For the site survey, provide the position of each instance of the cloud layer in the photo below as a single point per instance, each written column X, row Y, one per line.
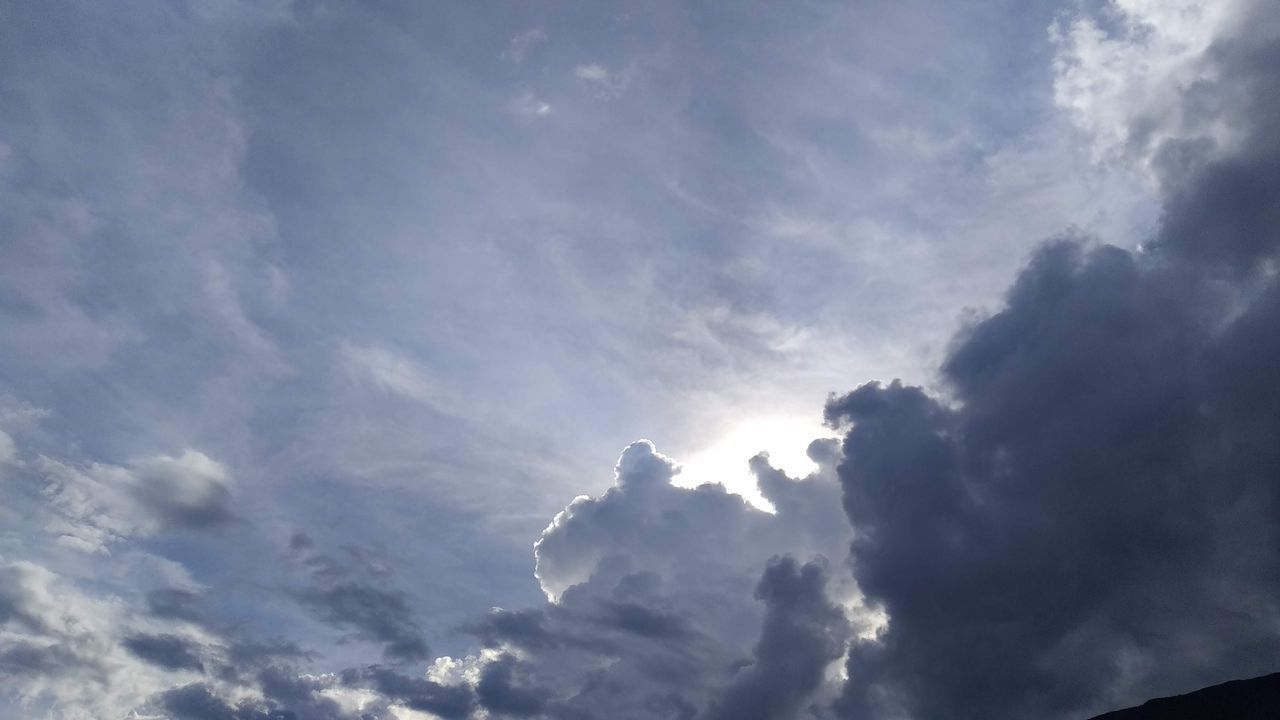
column 281, row 411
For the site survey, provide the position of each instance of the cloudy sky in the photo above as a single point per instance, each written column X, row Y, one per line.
column 859, row 360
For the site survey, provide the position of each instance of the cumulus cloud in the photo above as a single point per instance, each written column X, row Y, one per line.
column 1084, row 519
column 645, row 524
column 652, row 610
column 503, row 690
column 803, row 633
column 98, row 504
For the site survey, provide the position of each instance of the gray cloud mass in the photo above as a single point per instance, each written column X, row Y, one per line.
column 803, row 633
column 351, row 593
column 167, row 651
column 1085, row 518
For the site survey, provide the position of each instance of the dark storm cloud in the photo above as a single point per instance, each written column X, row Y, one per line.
column 1225, row 211
column 167, row 651
column 803, row 633
column 293, row 695
column 520, row 628
column 353, row 593
column 196, row 702
column 503, row 689
column 641, row 620
column 1090, row 519
column 415, row 693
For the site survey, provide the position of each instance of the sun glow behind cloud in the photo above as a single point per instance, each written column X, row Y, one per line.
column 785, row 438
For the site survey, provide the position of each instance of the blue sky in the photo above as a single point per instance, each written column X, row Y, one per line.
column 317, row 314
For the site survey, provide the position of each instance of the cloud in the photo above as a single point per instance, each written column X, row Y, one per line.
column 1083, row 519
column 501, row 690
column 373, row 613
column 199, row 198
column 1081, row 510
column 196, row 702
column 90, row 644
column 645, row 523
column 803, row 633
column 652, row 605
column 8, row 452
column 522, row 43
column 592, row 72
column 301, row 699
column 530, row 106
column 188, row 491
column 61, row 645
column 414, row 693
column 391, row 372
column 175, row 604
column 1126, row 82
column 609, row 83
column 88, row 657
column 644, row 621
column 351, row 593
column 100, row 504
column 167, row 651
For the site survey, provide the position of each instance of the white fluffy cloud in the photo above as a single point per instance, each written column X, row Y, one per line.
column 686, row 537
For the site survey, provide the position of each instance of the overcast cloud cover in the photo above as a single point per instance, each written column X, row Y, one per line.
column 322, row 326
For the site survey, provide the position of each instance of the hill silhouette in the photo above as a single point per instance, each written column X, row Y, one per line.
column 1253, row 699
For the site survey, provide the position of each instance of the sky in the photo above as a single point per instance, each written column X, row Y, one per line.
column 856, row 360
